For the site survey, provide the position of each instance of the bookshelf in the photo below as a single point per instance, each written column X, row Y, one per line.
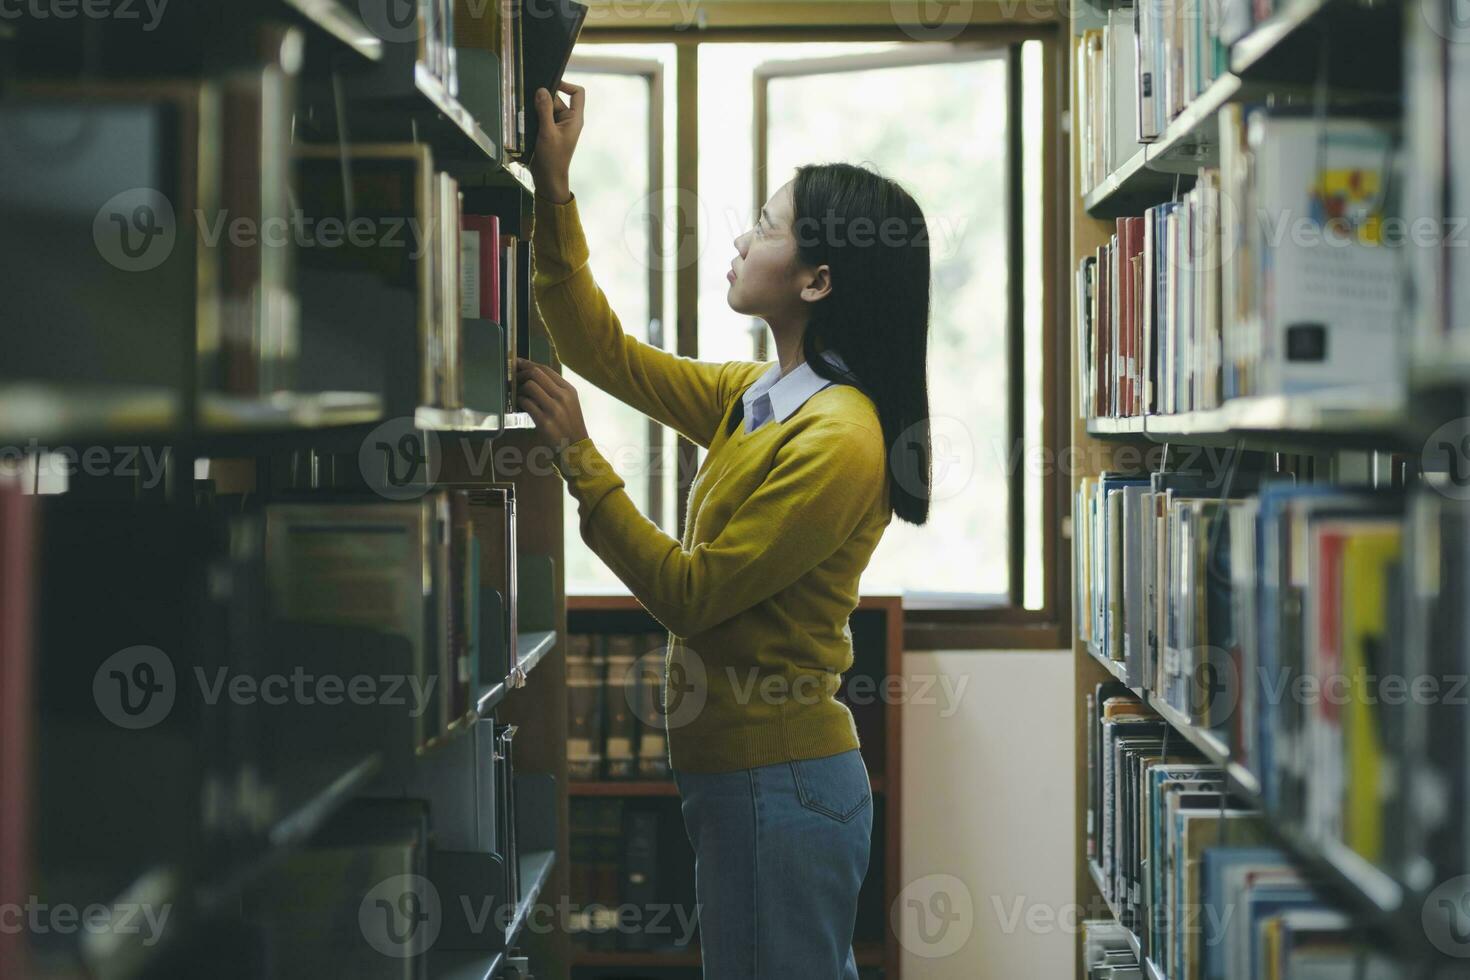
column 378, row 712
column 1346, row 59
column 877, row 628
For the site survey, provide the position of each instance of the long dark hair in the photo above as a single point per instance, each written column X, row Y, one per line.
column 871, row 234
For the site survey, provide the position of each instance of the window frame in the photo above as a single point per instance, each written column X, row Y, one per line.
column 928, row 624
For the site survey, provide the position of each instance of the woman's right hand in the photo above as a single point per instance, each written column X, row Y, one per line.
column 561, row 125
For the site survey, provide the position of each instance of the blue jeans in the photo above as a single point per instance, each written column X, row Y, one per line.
column 780, row 852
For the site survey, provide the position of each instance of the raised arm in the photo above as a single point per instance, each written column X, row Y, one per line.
column 686, row 394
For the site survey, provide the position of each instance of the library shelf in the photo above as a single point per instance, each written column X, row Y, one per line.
column 1192, row 138
column 1207, row 742
column 289, row 410
column 866, row 954
column 1370, row 417
column 313, row 791
column 1150, row 970
column 1133, row 186
column 434, row 419
column 1250, row 51
column 535, row 872
column 434, row 93
column 336, row 20
column 1115, row 667
column 660, row 787
column 58, row 411
column 531, row 648
column 1128, row 426
column 464, row 965
column 630, row 788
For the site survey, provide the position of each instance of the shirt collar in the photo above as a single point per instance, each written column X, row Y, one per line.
column 789, row 392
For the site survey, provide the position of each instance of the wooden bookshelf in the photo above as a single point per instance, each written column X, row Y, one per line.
column 1272, row 63
column 878, row 619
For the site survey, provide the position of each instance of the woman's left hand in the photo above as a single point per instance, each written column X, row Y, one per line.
column 552, row 403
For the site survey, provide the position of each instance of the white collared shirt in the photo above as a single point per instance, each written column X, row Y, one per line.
column 775, row 395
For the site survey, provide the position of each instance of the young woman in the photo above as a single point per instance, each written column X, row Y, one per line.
column 808, row 461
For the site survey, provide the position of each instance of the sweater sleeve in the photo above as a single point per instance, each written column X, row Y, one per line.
column 686, row 394
column 821, row 484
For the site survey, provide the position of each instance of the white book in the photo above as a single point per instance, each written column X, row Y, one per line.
column 1149, row 78
column 1331, row 290
column 1122, row 87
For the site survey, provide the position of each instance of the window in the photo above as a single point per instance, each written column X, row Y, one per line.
column 961, row 125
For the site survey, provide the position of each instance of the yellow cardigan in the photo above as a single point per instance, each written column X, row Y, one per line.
column 782, row 521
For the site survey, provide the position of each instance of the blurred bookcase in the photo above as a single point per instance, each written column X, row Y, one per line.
column 239, row 238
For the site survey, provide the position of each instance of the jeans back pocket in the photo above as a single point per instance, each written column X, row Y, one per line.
column 836, row 785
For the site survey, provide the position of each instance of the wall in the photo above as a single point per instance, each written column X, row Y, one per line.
column 987, row 816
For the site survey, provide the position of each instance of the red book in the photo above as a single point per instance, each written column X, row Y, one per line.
column 1130, row 234
column 17, row 533
column 479, row 264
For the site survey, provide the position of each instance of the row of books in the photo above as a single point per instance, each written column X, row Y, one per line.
column 1316, row 630
column 1141, row 69
column 632, row 877
column 198, row 226
column 1271, row 276
column 1192, row 872
column 615, row 709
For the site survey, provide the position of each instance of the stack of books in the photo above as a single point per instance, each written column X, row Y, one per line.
column 615, row 711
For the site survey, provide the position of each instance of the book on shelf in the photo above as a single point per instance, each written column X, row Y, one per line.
column 100, row 184
column 547, row 39
column 17, row 726
column 1325, row 308
column 632, row 876
column 372, row 308
column 1107, row 65
column 492, row 513
column 620, row 691
column 615, row 714
column 586, row 667
column 1437, row 178
column 252, row 353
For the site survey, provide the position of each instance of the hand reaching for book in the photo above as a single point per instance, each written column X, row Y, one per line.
column 552, row 402
column 556, row 141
